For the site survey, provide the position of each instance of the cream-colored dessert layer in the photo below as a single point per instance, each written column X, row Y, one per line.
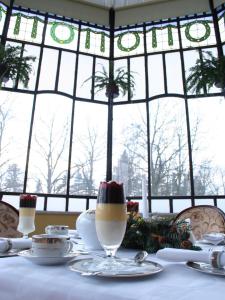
column 27, row 211
column 110, row 233
column 111, row 212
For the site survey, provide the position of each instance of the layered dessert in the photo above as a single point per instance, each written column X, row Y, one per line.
column 27, row 213
column 111, row 218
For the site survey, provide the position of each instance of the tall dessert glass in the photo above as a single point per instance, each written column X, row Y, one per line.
column 111, row 217
column 27, row 214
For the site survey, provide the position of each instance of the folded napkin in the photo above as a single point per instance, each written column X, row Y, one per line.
column 180, row 255
column 214, row 238
column 14, row 243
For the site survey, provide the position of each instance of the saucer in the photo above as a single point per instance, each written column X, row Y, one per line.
column 40, row 260
column 126, row 268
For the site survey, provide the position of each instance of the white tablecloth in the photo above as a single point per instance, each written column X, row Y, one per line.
column 22, row 280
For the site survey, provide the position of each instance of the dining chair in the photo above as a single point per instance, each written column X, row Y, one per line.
column 9, row 218
column 203, row 219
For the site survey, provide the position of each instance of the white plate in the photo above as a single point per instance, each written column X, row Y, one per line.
column 205, row 268
column 128, row 268
column 47, row 260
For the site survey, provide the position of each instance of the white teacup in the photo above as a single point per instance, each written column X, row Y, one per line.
column 57, row 229
column 51, row 245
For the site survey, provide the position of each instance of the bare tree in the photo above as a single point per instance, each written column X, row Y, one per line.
column 90, row 147
column 169, row 161
column 51, row 147
column 5, row 116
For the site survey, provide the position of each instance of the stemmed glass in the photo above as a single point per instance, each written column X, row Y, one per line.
column 111, row 218
column 27, row 214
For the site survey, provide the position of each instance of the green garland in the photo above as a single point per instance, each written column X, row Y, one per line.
column 128, row 49
column 152, row 235
column 201, row 39
column 60, row 41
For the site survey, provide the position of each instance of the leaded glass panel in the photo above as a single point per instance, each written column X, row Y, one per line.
column 130, row 146
column 174, row 73
column 94, row 41
column 100, row 63
column 85, row 65
column 49, row 153
column 208, row 144
column 120, row 63
column 137, row 66
column 61, row 34
column 88, row 162
column 169, row 148
column 155, row 75
column 162, row 37
column 48, row 69
column 128, row 42
column 15, row 113
column 197, row 32
column 26, row 27
column 67, row 72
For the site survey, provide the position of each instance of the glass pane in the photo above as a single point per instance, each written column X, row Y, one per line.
column 181, row 204
column 56, row 204
column 121, row 63
column 174, row 73
column 207, row 127
column 67, row 71
column 77, row 205
column 2, row 18
column 89, row 148
column 155, row 75
column 137, row 66
column 168, row 148
column 222, row 25
column 15, row 112
column 48, row 69
column 85, row 65
column 221, row 204
column 98, row 68
column 33, row 51
column 204, row 202
column 130, row 146
column 12, row 200
column 48, row 162
column 11, row 83
column 190, row 58
column 160, row 206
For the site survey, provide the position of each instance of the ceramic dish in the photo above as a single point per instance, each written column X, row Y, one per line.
column 128, row 268
column 47, row 260
column 205, row 268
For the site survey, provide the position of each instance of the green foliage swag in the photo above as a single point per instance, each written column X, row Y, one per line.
column 154, row 234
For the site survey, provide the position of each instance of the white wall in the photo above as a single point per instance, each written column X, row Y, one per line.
column 148, row 12
column 163, row 10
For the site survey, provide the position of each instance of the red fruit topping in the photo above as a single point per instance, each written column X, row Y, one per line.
column 110, row 184
column 28, row 197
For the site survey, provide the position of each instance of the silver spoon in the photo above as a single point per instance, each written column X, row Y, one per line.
column 140, row 257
